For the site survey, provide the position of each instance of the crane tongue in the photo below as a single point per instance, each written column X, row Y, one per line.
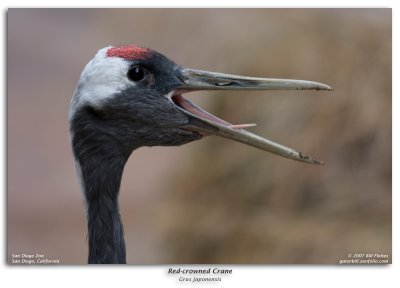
column 186, row 105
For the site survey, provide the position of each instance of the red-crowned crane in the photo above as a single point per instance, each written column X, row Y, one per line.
column 128, row 97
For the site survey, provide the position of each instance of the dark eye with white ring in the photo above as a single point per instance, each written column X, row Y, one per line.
column 136, row 74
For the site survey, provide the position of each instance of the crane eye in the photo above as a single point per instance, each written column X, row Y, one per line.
column 136, row 74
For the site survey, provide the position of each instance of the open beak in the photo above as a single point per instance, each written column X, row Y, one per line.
column 207, row 124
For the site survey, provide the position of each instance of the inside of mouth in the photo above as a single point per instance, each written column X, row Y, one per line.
column 185, row 104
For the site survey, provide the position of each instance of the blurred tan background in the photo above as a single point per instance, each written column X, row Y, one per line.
column 213, row 201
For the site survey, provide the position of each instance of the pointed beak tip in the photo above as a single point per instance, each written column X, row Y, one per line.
column 304, row 158
column 328, row 88
column 319, row 162
column 313, row 161
column 320, row 87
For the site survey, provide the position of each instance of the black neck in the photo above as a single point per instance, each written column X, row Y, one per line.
column 106, row 236
column 101, row 178
column 101, row 161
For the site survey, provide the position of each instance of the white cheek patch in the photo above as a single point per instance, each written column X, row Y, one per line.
column 102, row 78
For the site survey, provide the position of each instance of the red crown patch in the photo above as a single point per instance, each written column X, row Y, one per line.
column 129, row 52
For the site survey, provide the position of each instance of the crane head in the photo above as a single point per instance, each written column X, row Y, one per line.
column 133, row 96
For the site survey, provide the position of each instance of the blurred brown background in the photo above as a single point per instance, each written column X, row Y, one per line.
column 213, row 201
